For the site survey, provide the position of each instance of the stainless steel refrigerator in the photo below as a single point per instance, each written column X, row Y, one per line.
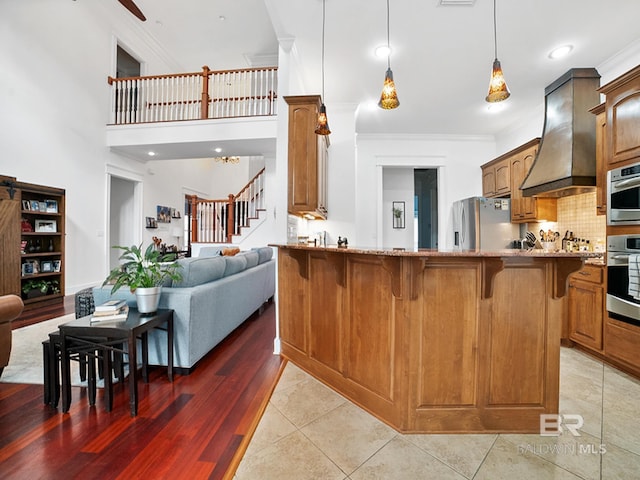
column 483, row 224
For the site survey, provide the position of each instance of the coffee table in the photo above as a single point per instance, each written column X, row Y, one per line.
column 82, row 335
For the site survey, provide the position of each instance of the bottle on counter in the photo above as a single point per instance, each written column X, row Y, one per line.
column 565, row 239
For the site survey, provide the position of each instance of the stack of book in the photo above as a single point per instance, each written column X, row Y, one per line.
column 111, row 310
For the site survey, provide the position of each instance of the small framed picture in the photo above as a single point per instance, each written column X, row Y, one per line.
column 398, row 214
column 151, row 222
column 46, row 226
column 35, row 206
column 56, row 265
column 51, row 206
column 30, row 267
column 26, row 205
column 43, row 206
column 46, row 266
column 163, row 214
column 27, row 269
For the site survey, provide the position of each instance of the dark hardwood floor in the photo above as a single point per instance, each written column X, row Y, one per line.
column 196, row 427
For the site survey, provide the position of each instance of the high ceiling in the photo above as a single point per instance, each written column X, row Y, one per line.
column 441, row 58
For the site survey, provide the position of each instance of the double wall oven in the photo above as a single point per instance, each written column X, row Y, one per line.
column 620, row 304
column 623, row 205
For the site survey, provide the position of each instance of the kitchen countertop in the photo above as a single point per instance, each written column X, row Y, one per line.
column 395, row 252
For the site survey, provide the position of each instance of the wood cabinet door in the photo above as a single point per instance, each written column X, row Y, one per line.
column 623, row 118
column 601, row 165
column 9, row 243
column 503, row 177
column 586, row 313
column 488, row 182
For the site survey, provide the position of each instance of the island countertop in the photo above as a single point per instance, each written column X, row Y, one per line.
column 427, row 252
column 430, row 341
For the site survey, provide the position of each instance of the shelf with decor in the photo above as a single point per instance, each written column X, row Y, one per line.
column 42, row 246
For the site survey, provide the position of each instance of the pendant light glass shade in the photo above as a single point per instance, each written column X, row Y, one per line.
column 389, row 98
column 498, row 90
column 322, row 124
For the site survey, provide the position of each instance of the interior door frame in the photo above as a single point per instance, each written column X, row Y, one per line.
column 138, row 191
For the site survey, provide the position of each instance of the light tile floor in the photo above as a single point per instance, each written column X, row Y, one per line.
column 310, row 432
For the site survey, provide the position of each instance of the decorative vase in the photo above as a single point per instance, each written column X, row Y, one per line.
column 148, row 299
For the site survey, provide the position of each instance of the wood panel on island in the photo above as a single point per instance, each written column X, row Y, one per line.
column 384, row 329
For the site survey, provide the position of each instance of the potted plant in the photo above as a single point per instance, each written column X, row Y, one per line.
column 37, row 288
column 144, row 273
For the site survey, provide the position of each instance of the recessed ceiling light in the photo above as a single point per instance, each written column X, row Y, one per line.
column 383, row 51
column 151, row 154
column 222, row 18
column 560, row 52
column 217, row 149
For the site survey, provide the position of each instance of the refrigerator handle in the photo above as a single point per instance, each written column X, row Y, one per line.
column 463, row 224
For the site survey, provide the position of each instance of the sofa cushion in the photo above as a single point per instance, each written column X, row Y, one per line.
column 264, row 254
column 252, row 258
column 199, row 270
column 234, row 265
column 209, row 252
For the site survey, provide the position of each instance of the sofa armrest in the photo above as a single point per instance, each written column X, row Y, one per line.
column 10, row 307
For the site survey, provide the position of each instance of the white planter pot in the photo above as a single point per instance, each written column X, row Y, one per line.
column 148, row 299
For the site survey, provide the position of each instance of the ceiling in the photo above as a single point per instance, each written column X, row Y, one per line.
column 441, row 54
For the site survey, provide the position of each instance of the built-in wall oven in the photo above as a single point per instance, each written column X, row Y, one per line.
column 620, row 304
column 623, row 207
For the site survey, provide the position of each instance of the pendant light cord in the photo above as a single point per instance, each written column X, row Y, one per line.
column 323, row 17
column 495, row 32
column 388, row 45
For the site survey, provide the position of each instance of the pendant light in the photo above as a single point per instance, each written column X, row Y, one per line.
column 498, row 90
column 322, row 124
column 389, row 97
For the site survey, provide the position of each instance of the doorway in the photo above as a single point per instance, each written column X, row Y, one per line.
column 425, row 207
column 124, row 228
column 126, row 65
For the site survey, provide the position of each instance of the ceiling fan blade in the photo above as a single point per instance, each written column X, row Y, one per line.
column 133, row 8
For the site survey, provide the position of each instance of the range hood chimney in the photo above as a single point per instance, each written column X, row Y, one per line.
column 566, row 160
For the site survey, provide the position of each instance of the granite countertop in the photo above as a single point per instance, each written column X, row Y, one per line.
column 395, row 252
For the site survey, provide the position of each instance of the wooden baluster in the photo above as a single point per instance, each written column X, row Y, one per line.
column 194, row 219
column 230, row 217
column 204, row 105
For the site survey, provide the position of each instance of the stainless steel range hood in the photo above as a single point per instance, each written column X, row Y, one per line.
column 566, row 160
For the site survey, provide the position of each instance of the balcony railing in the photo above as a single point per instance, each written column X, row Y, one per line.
column 194, row 96
column 216, row 221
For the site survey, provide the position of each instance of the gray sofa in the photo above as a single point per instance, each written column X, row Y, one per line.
column 216, row 295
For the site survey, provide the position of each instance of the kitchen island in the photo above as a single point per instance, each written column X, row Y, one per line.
column 429, row 341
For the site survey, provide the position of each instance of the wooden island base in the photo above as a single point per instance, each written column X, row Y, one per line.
column 428, row 341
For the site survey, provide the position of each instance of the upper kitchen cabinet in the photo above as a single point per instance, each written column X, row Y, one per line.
column 308, row 152
column 514, row 167
column 622, row 108
column 601, row 158
column 496, row 178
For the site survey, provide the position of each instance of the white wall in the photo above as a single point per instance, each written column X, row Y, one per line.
column 55, row 105
column 457, row 159
column 398, row 186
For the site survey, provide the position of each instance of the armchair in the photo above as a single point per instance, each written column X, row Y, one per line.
column 10, row 307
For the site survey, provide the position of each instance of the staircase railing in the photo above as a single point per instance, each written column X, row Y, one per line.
column 217, row 221
column 194, row 96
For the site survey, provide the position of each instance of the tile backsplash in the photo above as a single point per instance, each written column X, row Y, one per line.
column 577, row 214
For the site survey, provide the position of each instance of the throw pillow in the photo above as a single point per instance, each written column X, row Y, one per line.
column 230, row 252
